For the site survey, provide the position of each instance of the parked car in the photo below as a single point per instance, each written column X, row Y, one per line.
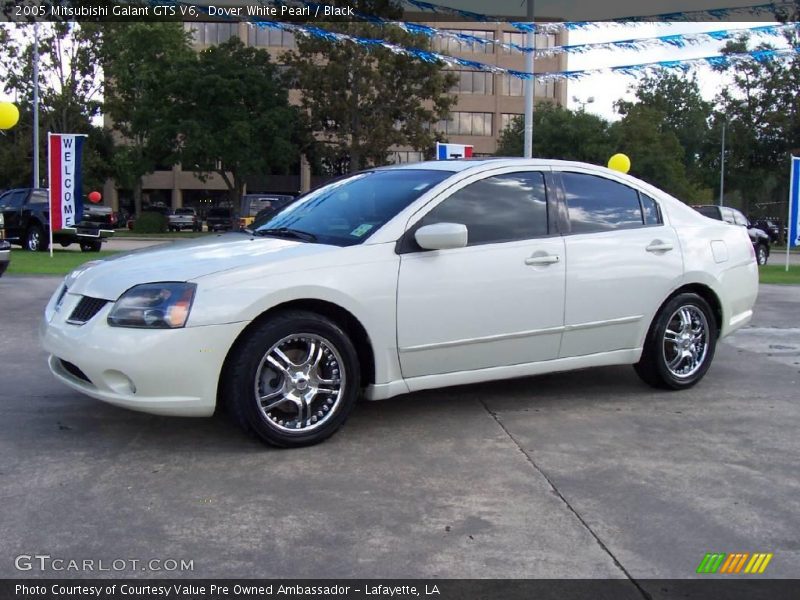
column 220, row 219
column 401, row 279
column 253, row 205
column 5, row 248
column 265, row 214
column 758, row 238
column 184, row 218
column 770, row 227
column 27, row 222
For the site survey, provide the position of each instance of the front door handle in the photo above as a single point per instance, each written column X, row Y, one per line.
column 542, row 259
column 659, row 246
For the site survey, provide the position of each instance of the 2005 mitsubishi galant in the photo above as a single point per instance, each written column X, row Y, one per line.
column 405, row 278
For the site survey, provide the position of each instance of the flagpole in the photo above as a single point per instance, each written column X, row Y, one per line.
column 50, row 194
column 789, row 223
column 36, row 181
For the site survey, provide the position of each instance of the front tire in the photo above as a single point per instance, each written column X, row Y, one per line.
column 680, row 344
column 761, row 254
column 293, row 380
column 35, row 240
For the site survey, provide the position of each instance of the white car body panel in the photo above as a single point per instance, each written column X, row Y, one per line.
column 432, row 318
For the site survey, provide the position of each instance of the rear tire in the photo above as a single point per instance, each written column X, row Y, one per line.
column 34, row 239
column 293, row 380
column 680, row 344
column 91, row 246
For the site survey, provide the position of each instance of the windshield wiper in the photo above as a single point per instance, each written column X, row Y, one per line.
column 288, row 232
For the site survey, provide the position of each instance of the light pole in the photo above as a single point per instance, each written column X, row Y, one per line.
column 722, row 167
column 36, row 180
column 530, row 42
column 583, row 103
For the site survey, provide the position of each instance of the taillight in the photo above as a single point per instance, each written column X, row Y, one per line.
column 113, row 218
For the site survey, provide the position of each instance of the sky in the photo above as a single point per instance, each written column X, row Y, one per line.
column 606, row 88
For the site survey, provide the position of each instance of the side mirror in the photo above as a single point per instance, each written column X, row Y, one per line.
column 442, row 236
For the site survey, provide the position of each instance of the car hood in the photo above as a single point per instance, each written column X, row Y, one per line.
column 184, row 261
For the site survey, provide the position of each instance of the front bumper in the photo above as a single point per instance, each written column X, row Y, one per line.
column 5, row 256
column 160, row 371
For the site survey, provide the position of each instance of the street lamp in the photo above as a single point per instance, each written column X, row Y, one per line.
column 583, row 103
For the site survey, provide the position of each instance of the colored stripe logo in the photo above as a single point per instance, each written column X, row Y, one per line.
column 734, row 563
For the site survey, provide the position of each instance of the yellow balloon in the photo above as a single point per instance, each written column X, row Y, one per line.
column 619, row 162
column 9, row 115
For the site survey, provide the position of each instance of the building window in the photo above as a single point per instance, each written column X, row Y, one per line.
column 209, row 34
column 453, row 46
column 506, row 119
column 467, row 123
column 514, row 86
column 543, row 40
column 405, row 156
column 265, row 37
column 473, row 82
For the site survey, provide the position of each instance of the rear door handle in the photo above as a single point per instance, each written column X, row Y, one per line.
column 542, row 259
column 659, row 246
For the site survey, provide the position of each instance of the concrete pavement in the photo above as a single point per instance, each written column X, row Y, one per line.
column 585, row 474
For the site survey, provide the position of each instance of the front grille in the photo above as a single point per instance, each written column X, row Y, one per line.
column 86, row 309
column 75, row 371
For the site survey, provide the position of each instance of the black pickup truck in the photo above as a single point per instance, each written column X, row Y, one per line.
column 26, row 213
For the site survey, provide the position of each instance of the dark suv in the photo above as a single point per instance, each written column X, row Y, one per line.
column 5, row 248
column 734, row 217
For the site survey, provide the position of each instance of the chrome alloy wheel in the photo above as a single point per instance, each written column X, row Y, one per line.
column 299, row 383
column 686, row 341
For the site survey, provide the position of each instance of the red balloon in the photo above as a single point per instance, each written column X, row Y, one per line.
column 95, row 197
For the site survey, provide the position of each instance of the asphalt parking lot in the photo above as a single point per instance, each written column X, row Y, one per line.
column 577, row 475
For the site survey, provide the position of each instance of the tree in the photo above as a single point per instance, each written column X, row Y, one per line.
column 656, row 153
column 763, row 125
column 232, row 115
column 69, row 93
column 683, row 112
column 560, row 133
column 361, row 102
column 141, row 61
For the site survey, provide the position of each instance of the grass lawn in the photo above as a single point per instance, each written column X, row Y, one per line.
column 125, row 233
column 40, row 263
column 778, row 274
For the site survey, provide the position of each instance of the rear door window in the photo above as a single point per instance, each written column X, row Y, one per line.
column 598, row 204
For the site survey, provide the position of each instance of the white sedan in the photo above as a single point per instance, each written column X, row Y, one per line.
column 401, row 279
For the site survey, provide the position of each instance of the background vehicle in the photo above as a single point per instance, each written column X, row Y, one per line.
column 253, row 204
column 759, row 239
column 5, row 248
column 184, row 218
column 154, row 208
column 27, row 216
column 770, row 227
column 265, row 214
column 400, row 279
column 220, row 219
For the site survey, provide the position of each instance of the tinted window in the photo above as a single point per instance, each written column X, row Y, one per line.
column 39, row 197
column 347, row 211
column 599, row 204
column 219, row 212
column 652, row 214
column 184, row 211
column 709, row 211
column 497, row 209
column 13, row 199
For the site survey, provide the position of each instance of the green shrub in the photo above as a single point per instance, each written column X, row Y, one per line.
column 150, row 222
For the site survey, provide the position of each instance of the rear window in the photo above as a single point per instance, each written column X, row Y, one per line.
column 709, row 211
column 184, row 211
column 219, row 212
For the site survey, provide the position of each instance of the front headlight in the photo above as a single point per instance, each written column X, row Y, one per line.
column 154, row 306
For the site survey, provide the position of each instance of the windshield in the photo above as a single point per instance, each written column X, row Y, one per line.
column 348, row 211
